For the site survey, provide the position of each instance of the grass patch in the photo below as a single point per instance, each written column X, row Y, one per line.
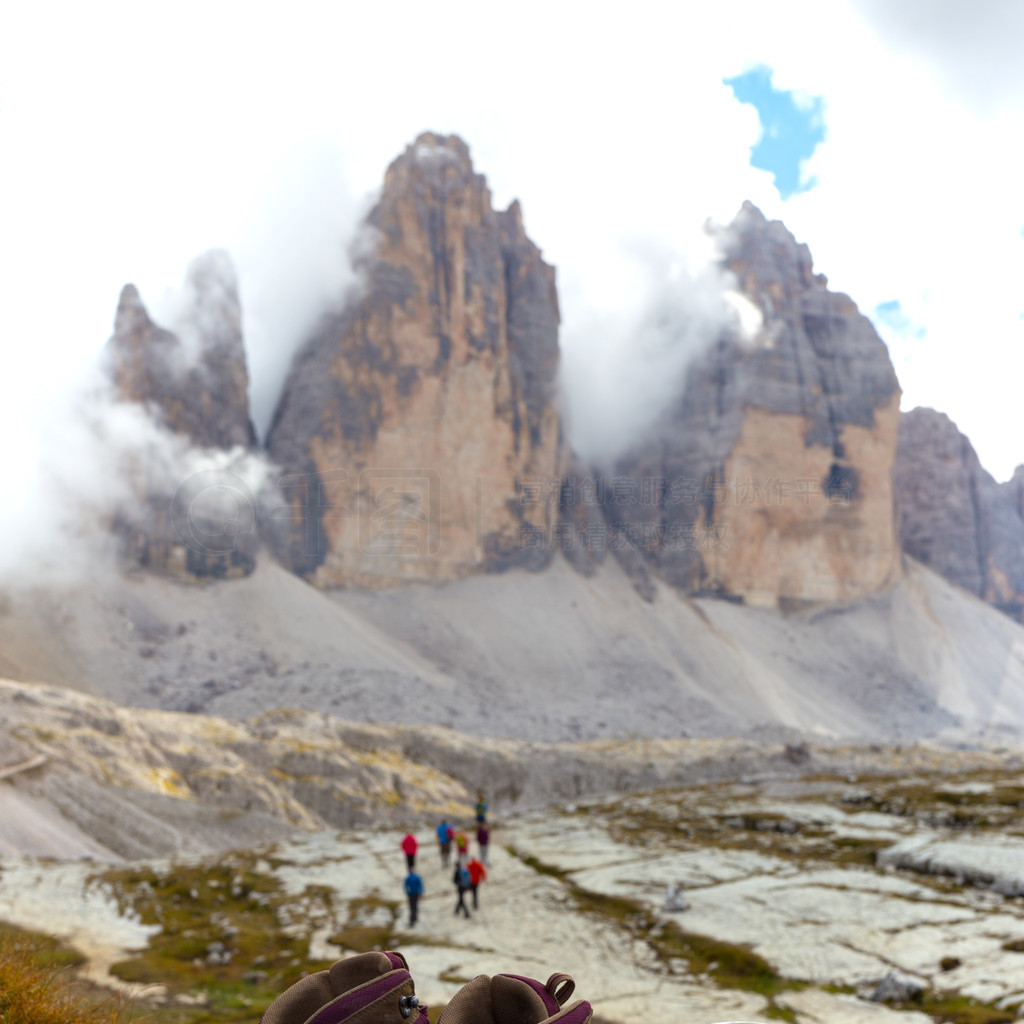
column 856, row 852
column 371, row 924
column 729, row 965
column 962, row 1010
column 38, row 984
column 538, row 865
column 221, row 941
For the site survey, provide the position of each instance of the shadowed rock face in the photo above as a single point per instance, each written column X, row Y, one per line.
column 410, row 420
column 1014, row 490
column 195, row 383
column 769, row 479
column 954, row 517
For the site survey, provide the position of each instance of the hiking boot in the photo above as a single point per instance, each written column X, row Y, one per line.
column 512, row 999
column 371, row 988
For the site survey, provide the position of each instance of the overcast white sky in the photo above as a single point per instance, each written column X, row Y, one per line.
column 135, row 136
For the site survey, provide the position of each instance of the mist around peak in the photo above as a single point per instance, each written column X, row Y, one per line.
column 623, row 367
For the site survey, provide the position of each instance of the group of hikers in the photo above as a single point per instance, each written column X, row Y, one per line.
column 469, row 871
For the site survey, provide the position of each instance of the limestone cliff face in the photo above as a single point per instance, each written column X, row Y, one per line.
column 953, row 516
column 769, row 479
column 195, row 383
column 413, row 420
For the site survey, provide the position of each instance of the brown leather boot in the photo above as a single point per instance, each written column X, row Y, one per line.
column 513, row 999
column 370, row 988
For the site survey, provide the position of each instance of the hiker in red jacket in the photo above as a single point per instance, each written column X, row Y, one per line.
column 477, row 874
column 409, row 846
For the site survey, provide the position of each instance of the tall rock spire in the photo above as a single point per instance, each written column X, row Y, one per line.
column 195, row 380
column 773, row 466
column 195, row 383
column 411, row 419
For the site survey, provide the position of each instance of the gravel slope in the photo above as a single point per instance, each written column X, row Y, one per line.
column 549, row 656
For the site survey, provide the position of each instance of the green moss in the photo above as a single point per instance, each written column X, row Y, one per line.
column 962, row 1010
column 356, row 934
column 539, row 866
column 852, row 851
column 230, row 903
column 729, row 965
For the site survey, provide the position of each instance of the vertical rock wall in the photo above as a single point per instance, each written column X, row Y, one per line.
column 411, row 420
column 953, row 515
column 773, row 468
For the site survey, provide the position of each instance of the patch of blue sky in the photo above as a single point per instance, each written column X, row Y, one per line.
column 890, row 314
column 791, row 128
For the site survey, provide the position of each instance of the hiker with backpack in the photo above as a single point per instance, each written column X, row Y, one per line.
column 444, row 841
column 477, row 874
column 483, row 839
column 409, row 846
column 462, row 883
column 461, row 845
column 413, row 890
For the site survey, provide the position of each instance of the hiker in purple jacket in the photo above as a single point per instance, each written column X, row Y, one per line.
column 483, row 838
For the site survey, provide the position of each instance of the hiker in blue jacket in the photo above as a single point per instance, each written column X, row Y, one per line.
column 444, row 840
column 414, row 890
column 462, row 886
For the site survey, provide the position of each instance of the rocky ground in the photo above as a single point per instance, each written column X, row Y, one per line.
column 811, row 876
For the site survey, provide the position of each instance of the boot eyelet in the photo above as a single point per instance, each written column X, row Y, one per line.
column 406, row 1004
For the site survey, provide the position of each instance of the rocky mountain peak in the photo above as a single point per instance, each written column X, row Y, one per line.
column 953, row 516
column 194, row 380
column 420, row 408
column 432, row 159
column 768, row 480
column 770, row 264
column 210, row 312
column 131, row 314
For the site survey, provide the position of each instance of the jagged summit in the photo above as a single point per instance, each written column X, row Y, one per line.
column 194, row 379
column 443, row 371
column 194, row 382
column 435, row 153
column 829, row 362
column 776, row 456
column 131, row 312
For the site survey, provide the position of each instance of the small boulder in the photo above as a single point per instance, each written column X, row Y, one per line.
column 675, row 901
column 897, row 987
